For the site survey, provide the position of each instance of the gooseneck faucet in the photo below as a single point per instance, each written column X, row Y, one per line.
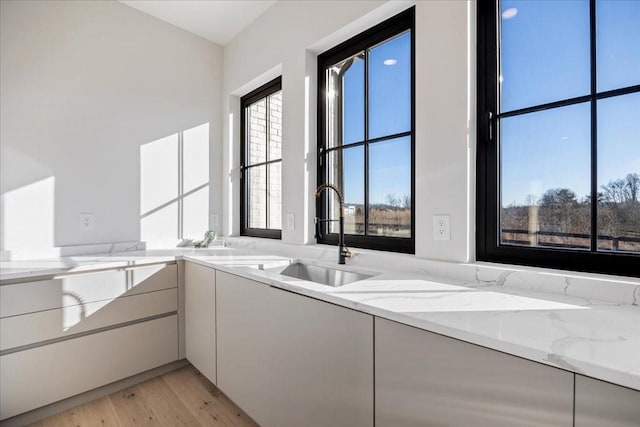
column 343, row 252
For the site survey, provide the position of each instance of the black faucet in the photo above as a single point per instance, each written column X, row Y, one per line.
column 343, row 251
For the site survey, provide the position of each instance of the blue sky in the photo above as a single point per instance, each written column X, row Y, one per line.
column 545, row 58
column 389, row 113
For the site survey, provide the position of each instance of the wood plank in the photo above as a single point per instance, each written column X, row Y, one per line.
column 100, row 412
column 204, row 400
column 169, row 410
column 183, row 397
column 131, row 408
column 52, row 421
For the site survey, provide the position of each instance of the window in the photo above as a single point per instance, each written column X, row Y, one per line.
column 365, row 136
column 559, row 135
column 261, row 169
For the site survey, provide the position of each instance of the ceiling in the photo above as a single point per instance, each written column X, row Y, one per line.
column 216, row 20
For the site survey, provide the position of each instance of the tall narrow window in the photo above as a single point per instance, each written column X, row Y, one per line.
column 559, row 136
column 365, row 136
column 261, row 198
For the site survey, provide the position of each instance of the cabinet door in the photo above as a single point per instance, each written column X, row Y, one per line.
column 32, row 328
column 242, row 309
column 39, row 376
column 78, row 289
column 427, row 379
column 200, row 318
column 603, row 404
column 320, row 363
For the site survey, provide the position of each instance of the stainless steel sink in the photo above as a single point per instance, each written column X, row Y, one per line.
column 323, row 275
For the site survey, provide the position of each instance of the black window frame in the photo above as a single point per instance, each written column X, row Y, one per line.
column 402, row 22
column 488, row 247
column 263, row 92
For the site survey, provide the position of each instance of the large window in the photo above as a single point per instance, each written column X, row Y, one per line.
column 365, row 136
column 559, row 134
column 261, row 169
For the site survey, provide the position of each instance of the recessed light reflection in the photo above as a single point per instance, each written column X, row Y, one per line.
column 509, row 13
column 390, row 61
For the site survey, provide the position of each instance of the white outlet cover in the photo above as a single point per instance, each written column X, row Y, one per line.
column 87, row 221
column 291, row 221
column 441, row 227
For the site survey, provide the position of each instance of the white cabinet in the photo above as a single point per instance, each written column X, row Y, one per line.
column 602, row 404
column 46, row 374
column 73, row 333
column 78, row 289
column 242, row 341
column 320, row 363
column 424, row 378
column 63, row 322
column 200, row 318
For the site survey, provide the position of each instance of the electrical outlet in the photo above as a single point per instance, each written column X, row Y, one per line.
column 441, row 227
column 291, row 221
column 87, row 221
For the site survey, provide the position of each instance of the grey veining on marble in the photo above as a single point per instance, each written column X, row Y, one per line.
column 622, row 290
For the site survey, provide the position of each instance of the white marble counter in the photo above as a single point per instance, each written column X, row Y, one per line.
column 595, row 338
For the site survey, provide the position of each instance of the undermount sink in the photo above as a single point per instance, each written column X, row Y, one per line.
column 322, row 275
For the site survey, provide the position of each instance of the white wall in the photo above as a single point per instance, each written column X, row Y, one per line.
column 85, row 84
column 286, row 40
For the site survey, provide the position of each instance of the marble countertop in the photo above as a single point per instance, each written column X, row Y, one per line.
column 597, row 339
column 594, row 338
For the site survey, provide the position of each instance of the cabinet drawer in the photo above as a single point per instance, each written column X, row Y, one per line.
column 31, row 328
column 29, row 297
column 33, row 378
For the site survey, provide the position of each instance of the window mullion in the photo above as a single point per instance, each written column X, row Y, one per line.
column 594, row 128
column 266, row 156
column 366, row 142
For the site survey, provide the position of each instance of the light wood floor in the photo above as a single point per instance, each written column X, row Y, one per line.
column 180, row 398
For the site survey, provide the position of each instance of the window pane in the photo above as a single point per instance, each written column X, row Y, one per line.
column 275, row 126
column 390, row 87
column 351, row 182
column 544, row 52
column 619, row 173
column 390, row 188
column 545, row 178
column 345, row 101
column 275, row 196
column 257, row 132
column 257, row 194
column 618, row 43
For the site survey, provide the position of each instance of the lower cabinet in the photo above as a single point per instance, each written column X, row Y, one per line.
column 320, row 363
column 242, row 328
column 602, row 404
column 200, row 318
column 288, row 360
column 425, row 379
column 43, row 375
